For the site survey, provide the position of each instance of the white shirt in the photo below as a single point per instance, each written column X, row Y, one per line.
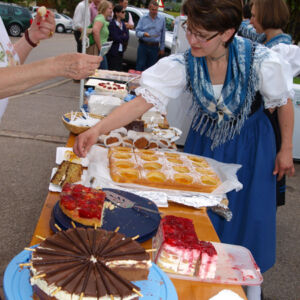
column 291, row 53
column 166, row 80
column 78, row 18
column 8, row 57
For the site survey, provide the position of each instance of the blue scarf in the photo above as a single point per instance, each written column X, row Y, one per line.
column 279, row 39
column 220, row 119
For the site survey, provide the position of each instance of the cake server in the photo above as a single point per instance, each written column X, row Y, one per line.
column 126, row 203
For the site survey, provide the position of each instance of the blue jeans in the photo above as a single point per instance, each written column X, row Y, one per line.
column 147, row 56
column 104, row 64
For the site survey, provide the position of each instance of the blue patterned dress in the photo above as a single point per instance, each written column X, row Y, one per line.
column 231, row 130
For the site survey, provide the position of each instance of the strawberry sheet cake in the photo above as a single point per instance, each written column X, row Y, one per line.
column 179, row 250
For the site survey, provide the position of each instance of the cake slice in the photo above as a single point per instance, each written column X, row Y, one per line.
column 180, row 251
column 82, row 204
column 67, row 172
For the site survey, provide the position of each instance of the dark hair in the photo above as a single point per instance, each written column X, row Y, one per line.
column 153, row 2
column 246, row 11
column 271, row 13
column 214, row 15
column 118, row 8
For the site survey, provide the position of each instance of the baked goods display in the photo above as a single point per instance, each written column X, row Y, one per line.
column 179, row 251
column 134, row 139
column 82, row 204
column 67, row 172
column 88, row 264
column 167, row 170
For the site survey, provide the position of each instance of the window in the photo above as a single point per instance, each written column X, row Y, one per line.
column 4, row 10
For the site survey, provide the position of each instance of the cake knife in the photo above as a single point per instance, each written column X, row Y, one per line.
column 125, row 202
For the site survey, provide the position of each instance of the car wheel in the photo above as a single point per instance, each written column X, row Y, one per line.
column 14, row 30
column 60, row 28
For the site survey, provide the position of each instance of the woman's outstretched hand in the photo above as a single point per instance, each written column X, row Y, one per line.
column 85, row 141
column 76, row 65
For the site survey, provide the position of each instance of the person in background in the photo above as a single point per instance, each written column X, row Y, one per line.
column 128, row 17
column 78, row 23
column 16, row 77
column 151, row 34
column 270, row 17
column 100, row 31
column 246, row 29
column 94, row 6
column 118, row 33
column 230, row 80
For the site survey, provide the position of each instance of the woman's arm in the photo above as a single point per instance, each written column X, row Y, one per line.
column 14, row 80
column 284, row 159
column 121, row 116
column 96, row 33
column 41, row 28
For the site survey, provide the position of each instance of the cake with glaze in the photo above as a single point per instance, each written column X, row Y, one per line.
column 86, row 264
column 82, row 204
column 179, row 251
column 171, row 170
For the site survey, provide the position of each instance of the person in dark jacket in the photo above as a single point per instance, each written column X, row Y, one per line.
column 118, row 33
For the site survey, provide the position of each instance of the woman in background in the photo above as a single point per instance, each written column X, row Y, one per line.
column 270, row 17
column 100, row 32
column 118, row 33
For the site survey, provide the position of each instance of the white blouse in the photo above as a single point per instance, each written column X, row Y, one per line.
column 8, row 57
column 166, row 80
column 291, row 53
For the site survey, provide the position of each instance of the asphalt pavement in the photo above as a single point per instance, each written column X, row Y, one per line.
column 30, row 131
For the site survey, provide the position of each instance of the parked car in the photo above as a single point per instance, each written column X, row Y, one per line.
column 130, row 54
column 63, row 22
column 16, row 18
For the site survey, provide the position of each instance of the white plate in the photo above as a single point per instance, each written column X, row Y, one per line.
column 172, row 133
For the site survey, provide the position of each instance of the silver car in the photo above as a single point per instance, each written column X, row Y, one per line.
column 130, row 54
column 63, row 22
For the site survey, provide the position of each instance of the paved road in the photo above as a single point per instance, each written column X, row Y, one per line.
column 31, row 130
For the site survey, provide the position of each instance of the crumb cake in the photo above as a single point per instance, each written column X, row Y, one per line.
column 82, row 204
column 168, row 170
column 87, row 264
column 67, row 172
column 179, row 251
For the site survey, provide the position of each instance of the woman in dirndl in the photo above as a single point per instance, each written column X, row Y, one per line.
column 230, row 80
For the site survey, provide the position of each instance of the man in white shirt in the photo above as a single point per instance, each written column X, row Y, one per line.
column 78, row 23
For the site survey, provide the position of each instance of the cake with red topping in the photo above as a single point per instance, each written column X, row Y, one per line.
column 88, row 264
column 82, row 204
column 111, row 88
column 179, row 250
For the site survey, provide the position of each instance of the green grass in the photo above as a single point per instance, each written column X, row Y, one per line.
column 297, row 80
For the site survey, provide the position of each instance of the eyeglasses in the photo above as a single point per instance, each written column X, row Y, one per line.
column 198, row 36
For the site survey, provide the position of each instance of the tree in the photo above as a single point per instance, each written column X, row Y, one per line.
column 293, row 27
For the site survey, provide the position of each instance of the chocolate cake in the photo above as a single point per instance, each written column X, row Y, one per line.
column 86, row 263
